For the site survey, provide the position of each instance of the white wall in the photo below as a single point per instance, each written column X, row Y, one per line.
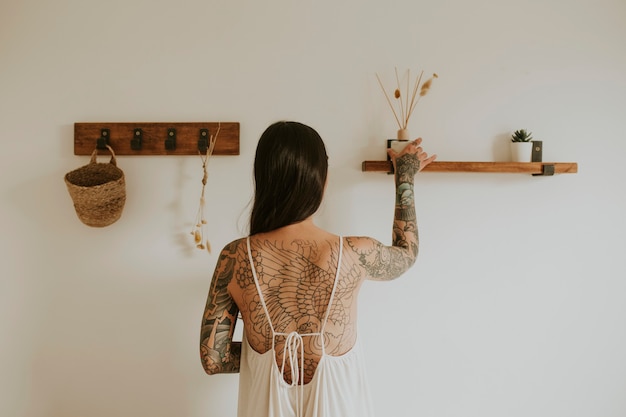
column 516, row 306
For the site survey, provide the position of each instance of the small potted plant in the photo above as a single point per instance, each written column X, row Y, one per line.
column 521, row 145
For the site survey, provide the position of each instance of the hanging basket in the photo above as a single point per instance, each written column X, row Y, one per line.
column 98, row 191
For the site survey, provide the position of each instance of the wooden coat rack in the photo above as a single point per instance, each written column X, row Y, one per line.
column 156, row 138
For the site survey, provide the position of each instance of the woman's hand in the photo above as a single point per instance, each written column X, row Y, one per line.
column 413, row 157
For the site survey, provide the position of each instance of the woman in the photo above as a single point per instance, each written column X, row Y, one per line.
column 296, row 285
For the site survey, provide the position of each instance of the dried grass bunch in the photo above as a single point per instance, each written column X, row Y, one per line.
column 403, row 104
column 198, row 231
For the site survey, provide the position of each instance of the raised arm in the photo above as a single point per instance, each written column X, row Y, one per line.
column 383, row 262
column 218, row 352
column 405, row 238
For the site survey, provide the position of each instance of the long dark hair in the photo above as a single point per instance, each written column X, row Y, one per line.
column 290, row 168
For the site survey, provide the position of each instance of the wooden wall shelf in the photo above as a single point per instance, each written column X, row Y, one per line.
column 535, row 168
column 122, row 137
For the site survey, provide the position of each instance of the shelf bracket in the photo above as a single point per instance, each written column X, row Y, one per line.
column 546, row 170
column 537, row 156
column 537, row 152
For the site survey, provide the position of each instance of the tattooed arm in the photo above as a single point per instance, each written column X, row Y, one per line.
column 218, row 352
column 388, row 262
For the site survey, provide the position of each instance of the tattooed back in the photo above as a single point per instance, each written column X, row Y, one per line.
column 296, row 276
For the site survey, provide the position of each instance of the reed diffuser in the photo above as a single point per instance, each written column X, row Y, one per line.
column 405, row 102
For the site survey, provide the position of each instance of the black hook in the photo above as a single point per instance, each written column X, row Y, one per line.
column 170, row 141
column 135, row 142
column 103, row 140
column 203, row 141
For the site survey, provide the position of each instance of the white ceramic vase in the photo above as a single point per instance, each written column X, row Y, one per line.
column 398, row 144
column 521, row 151
column 402, row 139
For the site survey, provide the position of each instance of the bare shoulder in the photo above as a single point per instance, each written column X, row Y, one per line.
column 233, row 246
column 233, row 262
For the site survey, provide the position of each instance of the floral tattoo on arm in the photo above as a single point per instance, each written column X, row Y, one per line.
column 405, row 220
column 219, row 354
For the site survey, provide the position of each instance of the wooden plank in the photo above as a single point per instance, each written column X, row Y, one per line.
column 154, row 135
column 495, row 167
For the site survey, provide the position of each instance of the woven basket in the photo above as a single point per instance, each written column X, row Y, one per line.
column 98, row 191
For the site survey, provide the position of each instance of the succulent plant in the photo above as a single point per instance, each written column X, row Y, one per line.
column 521, row 136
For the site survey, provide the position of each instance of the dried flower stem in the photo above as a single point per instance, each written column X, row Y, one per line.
column 399, row 97
column 199, row 228
column 406, row 119
column 389, row 101
column 418, row 80
column 406, row 107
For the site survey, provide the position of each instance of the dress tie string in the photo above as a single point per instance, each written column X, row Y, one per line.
column 294, row 349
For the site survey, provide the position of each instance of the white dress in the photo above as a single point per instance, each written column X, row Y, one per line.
column 338, row 388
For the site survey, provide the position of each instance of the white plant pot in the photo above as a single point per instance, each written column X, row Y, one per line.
column 521, row 151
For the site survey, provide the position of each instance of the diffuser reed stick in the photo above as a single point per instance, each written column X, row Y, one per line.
column 404, row 106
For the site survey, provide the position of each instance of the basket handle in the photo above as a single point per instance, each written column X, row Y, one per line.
column 94, row 154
